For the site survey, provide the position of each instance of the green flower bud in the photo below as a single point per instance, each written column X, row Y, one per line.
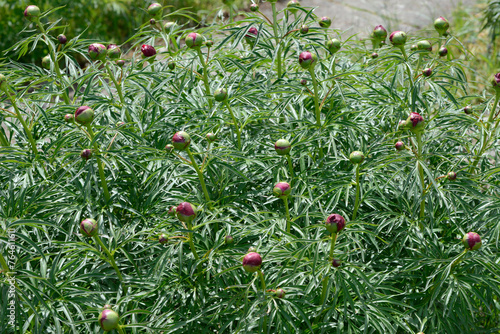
column 333, row 45
column 108, row 319
column 89, row 227
column 441, row 25
column 220, row 94
column 356, row 157
column 472, row 241
column 181, row 140
column 282, row 147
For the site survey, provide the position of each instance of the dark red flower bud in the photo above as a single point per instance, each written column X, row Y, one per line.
column 336, row 263
column 399, row 146
column 304, row 29
column 152, row 22
column 148, row 50
column 251, row 36
column 163, row 238
column 495, row 82
column 472, row 241
column 335, row 223
column 427, row 72
column 415, row 122
column 282, row 147
column 89, row 227
column 84, row 115
column 303, row 82
column 280, row 293
column 468, row 110
column 86, row 154
column 252, row 262
column 443, row 51
column 181, row 140
column 62, row 39
column 452, row 176
column 282, row 190
column 186, row 212
column 97, row 52
column 307, row 59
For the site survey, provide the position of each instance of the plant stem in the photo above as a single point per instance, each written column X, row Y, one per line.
column 54, row 60
column 275, row 29
column 205, row 76
column 120, row 329
column 316, row 103
column 332, row 245
column 104, row 184
column 191, row 244
column 285, row 200
column 200, row 176
column 421, row 175
column 119, row 91
column 110, row 257
column 485, row 134
column 21, row 120
column 262, row 281
column 356, row 203
column 290, row 166
column 330, row 258
column 458, row 259
column 236, row 125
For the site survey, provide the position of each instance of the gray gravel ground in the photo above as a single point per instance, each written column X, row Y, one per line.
column 360, row 16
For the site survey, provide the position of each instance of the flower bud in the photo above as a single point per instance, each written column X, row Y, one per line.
column 46, row 62
column 357, row 157
column 211, row 137
column 148, row 51
column 379, row 33
column 495, row 82
column 424, row 46
column 169, row 26
column 335, row 223
column 89, row 227
column 282, row 147
column 152, row 22
column 3, row 81
column 402, row 125
column 251, row 36
column 399, row 146
column 252, row 262
column 84, row 115
column 163, row 238
column 304, row 29
column 181, row 140
column 108, row 319
column 194, row 40
column 251, row 249
column 325, row 22
column 416, row 122
column 62, row 39
column 443, row 51
column 303, row 82
column 292, row 6
column 171, row 65
column 441, row 25
column 452, row 176
column 186, row 212
column 172, row 211
column 107, row 307
column 472, row 241
column 307, row 60
column 114, row 51
column 333, row 45
column 119, row 124
column 209, row 43
column 336, row 263
column 220, row 94
column 68, row 118
column 427, row 72
column 31, row 13
column 86, row 154
column 374, row 55
column 229, row 240
column 154, row 10
column 254, row 7
column 169, row 148
column 280, row 293
column 282, row 190
column 413, row 47
column 97, row 52
column 468, row 110
column 398, row 38
column 120, row 62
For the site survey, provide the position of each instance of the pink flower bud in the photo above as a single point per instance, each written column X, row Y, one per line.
column 97, row 52
column 472, row 241
column 325, row 22
column 335, row 223
column 451, row 176
column 374, row 55
column 379, row 33
column 399, row 146
column 254, row 7
column 194, row 40
column 120, row 62
column 211, row 137
column 89, row 227
column 181, row 140
column 398, row 38
column 114, row 51
column 282, row 147
column 154, row 10
column 307, row 60
column 84, row 115
column 282, row 190
column 186, row 212
column 252, row 262
column 416, row 123
column 68, row 118
column 441, row 25
column 280, row 293
column 108, row 319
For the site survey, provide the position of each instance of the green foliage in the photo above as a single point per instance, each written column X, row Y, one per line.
column 403, row 266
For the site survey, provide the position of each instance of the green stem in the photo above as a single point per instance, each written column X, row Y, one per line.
column 316, row 103
column 104, row 184
column 485, row 134
column 356, row 203
column 120, row 329
column 287, row 210
column 458, row 259
column 56, row 63
column 119, row 91
column 110, row 257
column 332, row 245
column 421, row 176
column 191, row 244
column 290, row 165
column 205, row 76
column 275, row 29
column 21, row 120
column 419, row 62
column 325, row 279
column 236, row 124
column 200, row 176
column 262, row 281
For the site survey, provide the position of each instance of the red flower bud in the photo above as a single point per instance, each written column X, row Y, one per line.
column 472, row 241
column 307, row 59
column 62, row 39
column 148, row 50
column 399, row 146
column 398, row 38
column 379, row 33
column 186, row 212
column 427, row 72
column 97, row 52
column 252, row 262
column 451, row 176
column 86, row 154
column 416, row 122
column 335, row 223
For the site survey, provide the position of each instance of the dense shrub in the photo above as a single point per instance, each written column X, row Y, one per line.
column 249, row 177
